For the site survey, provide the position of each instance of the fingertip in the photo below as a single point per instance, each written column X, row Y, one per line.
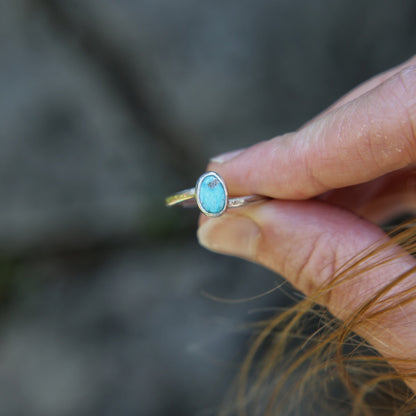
column 225, row 157
column 246, row 171
column 230, row 234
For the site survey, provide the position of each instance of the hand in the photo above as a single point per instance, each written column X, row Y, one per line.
column 332, row 181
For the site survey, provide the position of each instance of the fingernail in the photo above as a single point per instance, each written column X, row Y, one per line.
column 225, row 157
column 229, row 234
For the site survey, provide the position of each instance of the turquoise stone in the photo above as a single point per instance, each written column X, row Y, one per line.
column 212, row 195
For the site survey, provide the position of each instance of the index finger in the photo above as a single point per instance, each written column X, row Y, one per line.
column 363, row 139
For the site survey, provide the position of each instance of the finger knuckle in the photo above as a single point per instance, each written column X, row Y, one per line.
column 317, row 263
column 403, row 94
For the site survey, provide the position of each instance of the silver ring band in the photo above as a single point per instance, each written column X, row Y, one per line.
column 210, row 195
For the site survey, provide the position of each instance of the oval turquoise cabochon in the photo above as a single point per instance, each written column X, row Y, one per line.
column 212, row 195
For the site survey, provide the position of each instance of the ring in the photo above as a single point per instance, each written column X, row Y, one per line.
column 210, row 195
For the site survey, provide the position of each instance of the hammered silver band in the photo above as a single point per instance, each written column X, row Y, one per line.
column 186, row 198
column 191, row 198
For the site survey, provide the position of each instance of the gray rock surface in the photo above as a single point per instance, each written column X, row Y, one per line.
column 105, row 108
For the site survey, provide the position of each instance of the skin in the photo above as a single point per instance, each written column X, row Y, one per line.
column 331, row 183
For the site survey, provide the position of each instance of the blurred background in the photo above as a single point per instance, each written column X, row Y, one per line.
column 106, row 107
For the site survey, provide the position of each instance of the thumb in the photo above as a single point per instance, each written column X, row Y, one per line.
column 304, row 241
column 308, row 242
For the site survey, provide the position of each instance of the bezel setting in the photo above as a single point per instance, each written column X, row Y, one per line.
column 198, row 190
